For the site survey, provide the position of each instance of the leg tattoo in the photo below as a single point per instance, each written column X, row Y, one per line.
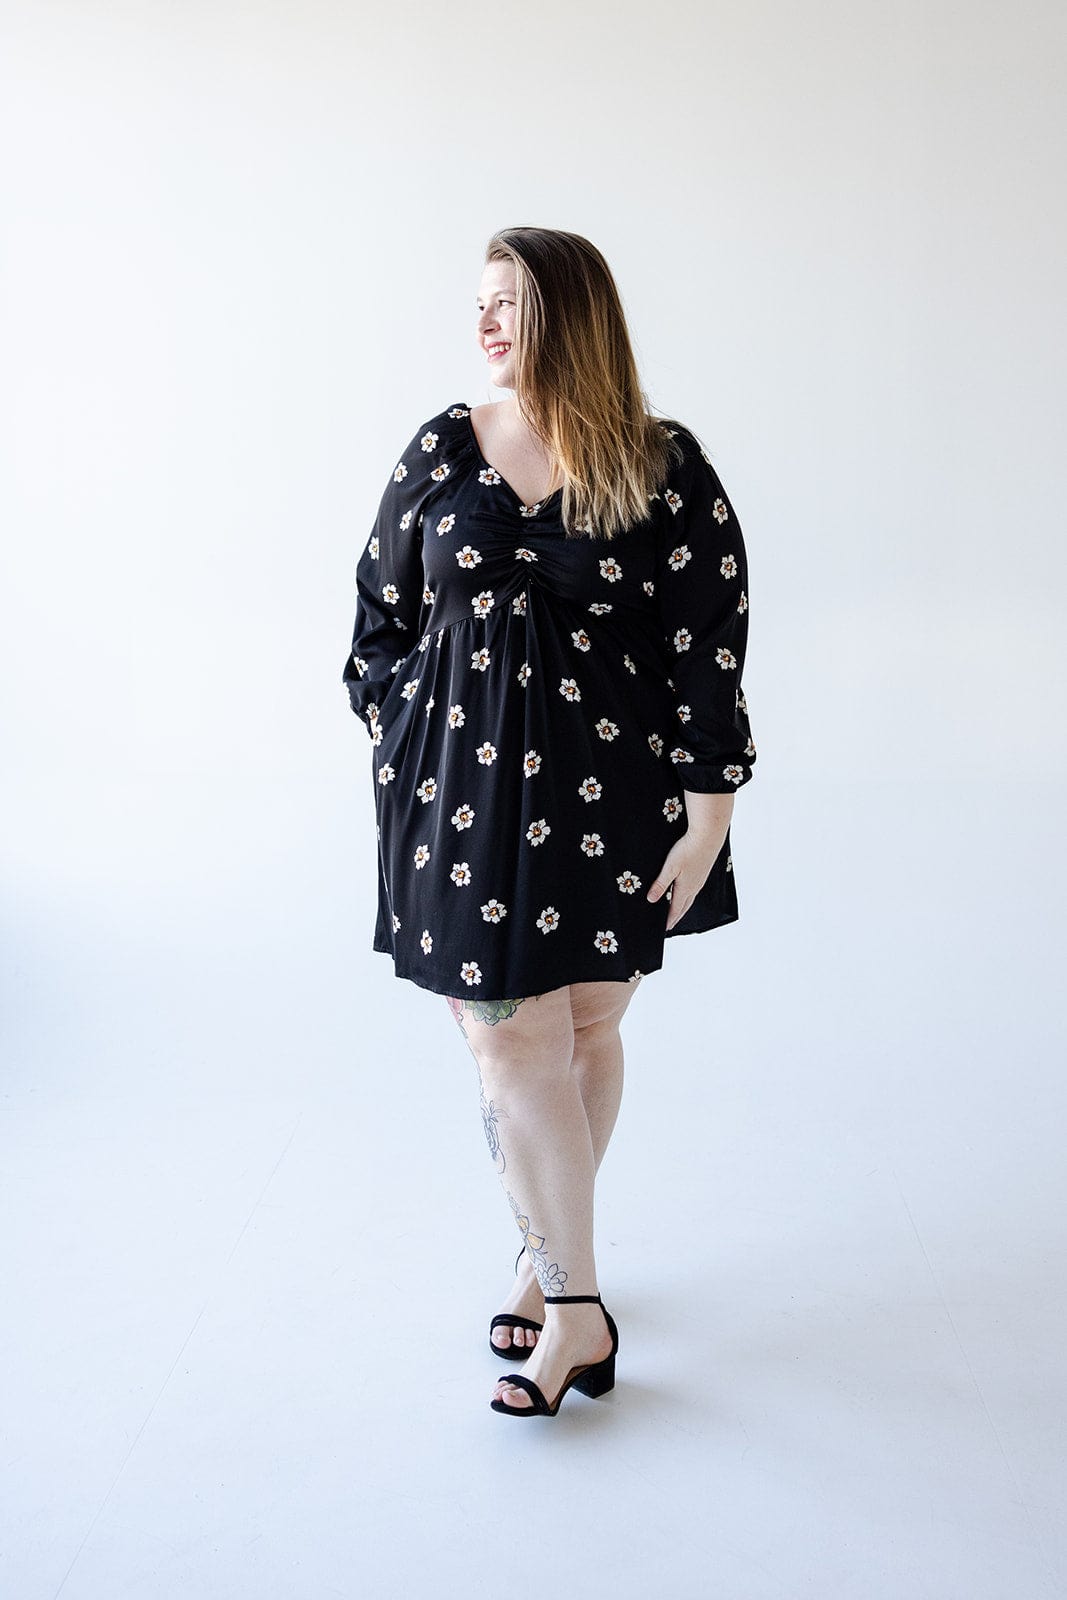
column 551, row 1278
column 490, row 1115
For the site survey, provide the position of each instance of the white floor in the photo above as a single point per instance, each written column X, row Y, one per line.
column 252, row 1238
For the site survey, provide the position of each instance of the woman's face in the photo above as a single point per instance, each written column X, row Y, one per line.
column 496, row 321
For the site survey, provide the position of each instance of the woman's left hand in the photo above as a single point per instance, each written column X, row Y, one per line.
column 687, row 866
column 692, row 857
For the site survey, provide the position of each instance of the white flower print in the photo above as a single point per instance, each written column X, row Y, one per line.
column 522, row 554
column 628, row 882
column 470, row 972
column 373, row 547
column 428, row 596
column 531, row 763
column 426, row 790
column 494, row 911
column 486, row 753
column 678, row 754
column 548, row 921
column 396, row 923
column 581, row 639
column 538, row 832
column 440, row 473
column 468, row 557
column 518, row 605
column 729, row 863
column 637, row 976
column 592, row 844
column 530, row 511
column 391, row 594
column 429, row 442
column 610, row 570
column 725, row 658
column 750, row 748
column 377, row 736
column 607, row 730
column 682, row 640
column 606, row 943
column 524, row 673
column 728, row 566
column 422, row 855
column 400, row 472
column 648, row 586
column 409, row 688
column 742, row 604
column 386, row 773
column 483, row 603
column 456, row 716
column 627, row 662
column 426, row 941
column 718, row 510
column 446, row 524
column 480, row 659
column 459, row 411
column 739, row 700
column 655, row 744
column 463, row 816
column 672, row 808
column 674, row 501
column 733, row 774
column 590, row 789
column 359, row 664
column 460, row 874
column 488, row 476
column 600, row 608
column 678, row 558
column 684, row 714
column 430, row 705
column 569, row 690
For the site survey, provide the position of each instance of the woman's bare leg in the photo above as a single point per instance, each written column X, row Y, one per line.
column 597, row 1063
column 550, row 1072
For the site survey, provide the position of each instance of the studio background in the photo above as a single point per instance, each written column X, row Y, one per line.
column 250, row 1233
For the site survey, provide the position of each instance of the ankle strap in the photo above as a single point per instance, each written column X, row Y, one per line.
column 567, row 1299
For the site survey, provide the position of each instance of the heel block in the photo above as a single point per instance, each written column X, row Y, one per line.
column 597, row 1379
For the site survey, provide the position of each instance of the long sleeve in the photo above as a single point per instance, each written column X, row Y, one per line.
column 390, row 597
column 702, row 588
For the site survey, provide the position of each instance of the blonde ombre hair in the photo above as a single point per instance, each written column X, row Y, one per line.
column 576, row 381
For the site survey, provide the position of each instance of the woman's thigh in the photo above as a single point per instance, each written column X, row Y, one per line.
column 537, row 1029
column 541, row 1027
column 597, row 1007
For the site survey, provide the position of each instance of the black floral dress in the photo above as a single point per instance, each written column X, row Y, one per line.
column 538, row 703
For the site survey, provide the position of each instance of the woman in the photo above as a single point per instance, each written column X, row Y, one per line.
column 550, row 631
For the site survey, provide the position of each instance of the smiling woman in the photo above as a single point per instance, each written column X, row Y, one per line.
column 550, row 633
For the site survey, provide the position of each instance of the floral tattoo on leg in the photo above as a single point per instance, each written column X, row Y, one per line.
column 551, row 1278
column 490, row 1115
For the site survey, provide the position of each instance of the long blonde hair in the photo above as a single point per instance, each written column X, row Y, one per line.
column 576, row 381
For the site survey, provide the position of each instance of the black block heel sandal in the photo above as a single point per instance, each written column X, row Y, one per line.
column 594, row 1379
column 513, row 1351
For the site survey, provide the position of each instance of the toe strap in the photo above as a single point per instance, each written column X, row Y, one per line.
column 505, row 1321
column 540, row 1404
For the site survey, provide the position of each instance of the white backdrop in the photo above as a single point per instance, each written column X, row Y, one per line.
column 241, row 248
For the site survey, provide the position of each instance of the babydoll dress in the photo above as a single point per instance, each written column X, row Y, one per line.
column 538, row 702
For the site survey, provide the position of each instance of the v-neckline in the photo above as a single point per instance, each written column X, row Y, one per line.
column 528, row 511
